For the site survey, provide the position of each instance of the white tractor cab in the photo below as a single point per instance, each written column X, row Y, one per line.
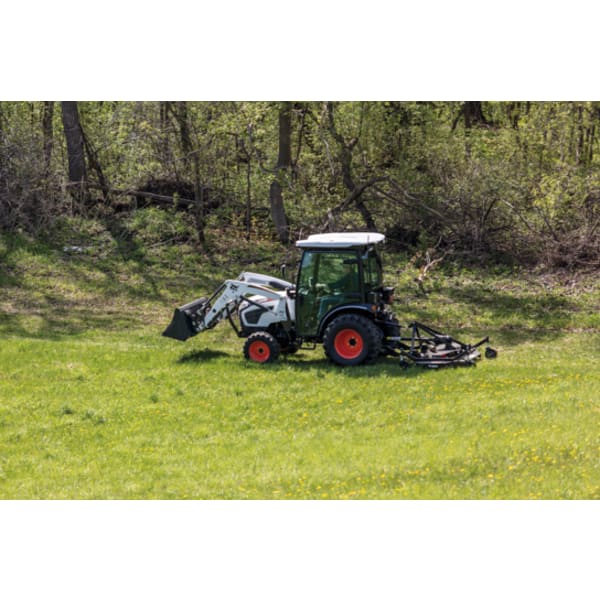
column 339, row 300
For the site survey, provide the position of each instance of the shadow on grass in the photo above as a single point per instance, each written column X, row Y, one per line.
column 49, row 293
column 200, row 356
column 307, row 361
column 61, row 321
column 74, row 293
column 513, row 318
column 387, row 366
column 551, row 310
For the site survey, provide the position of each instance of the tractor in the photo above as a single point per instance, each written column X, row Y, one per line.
column 339, row 300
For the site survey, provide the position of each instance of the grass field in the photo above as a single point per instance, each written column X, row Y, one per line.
column 94, row 403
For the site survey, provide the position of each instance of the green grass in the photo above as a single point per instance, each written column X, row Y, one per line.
column 94, row 403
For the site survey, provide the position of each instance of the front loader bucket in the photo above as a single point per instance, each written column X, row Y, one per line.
column 183, row 325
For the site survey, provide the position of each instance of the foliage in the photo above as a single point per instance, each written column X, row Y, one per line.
column 508, row 181
column 155, row 226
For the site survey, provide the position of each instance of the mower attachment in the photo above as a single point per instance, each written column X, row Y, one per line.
column 184, row 323
column 427, row 347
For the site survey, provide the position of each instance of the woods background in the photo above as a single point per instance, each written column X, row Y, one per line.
column 511, row 182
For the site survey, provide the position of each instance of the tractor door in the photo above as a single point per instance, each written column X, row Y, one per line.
column 326, row 279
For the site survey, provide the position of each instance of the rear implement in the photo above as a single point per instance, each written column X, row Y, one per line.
column 427, row 347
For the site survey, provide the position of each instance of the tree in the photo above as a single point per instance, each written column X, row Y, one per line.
column 48, row 137
column 75, row 146
column 355, row 196
column 472, row 113
column 490, row 179
column 284, row 162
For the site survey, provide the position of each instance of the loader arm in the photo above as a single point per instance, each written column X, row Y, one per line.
column 204, row 313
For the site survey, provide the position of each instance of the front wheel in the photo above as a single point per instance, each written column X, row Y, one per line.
column 352, row 339
column 261, row 347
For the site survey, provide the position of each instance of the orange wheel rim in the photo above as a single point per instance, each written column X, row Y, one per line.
column 348, row 344
column 259, row 351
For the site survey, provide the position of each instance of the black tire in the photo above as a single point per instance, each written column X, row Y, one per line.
column 352, row 339
column 261, row 347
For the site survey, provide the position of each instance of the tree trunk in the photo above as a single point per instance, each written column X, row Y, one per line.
column 284, row 161
column 1, row 140
column 75, row 144
column 163, row 109
column 199, row 201
column 165, row 153
column 248, row 217
column 366, row 215
column 184, row 131
column 94, row 164
column 472, row 113
column 345, row 158
column 278, row 211
column 48, row 138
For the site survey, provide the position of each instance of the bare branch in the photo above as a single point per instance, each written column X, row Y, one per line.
column 351, row 198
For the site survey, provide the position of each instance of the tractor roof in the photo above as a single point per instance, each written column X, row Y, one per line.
column 340, row 240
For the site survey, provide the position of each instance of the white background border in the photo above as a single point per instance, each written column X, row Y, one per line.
column 307, row 51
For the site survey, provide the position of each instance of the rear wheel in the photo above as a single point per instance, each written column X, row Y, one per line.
column 261, row 347
column 352, row 340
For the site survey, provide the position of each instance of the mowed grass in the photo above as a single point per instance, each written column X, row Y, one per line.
column 129, row 415
column 103, row 407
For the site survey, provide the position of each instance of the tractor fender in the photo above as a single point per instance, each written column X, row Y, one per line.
column 359, row 309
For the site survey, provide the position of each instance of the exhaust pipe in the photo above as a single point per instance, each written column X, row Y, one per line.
column 186, row 320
